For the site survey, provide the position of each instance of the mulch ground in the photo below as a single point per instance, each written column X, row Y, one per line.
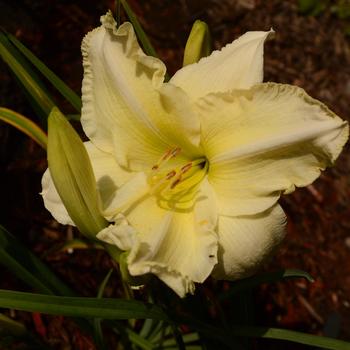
column 311, row 52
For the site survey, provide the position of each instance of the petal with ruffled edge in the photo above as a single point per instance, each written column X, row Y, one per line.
column 123, row 110
column 246, row 242
column 108, row 174
column 179, row 247
column 238, row 65
column 264, row 142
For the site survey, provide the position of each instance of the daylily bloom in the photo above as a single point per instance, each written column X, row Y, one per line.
column 189, row 172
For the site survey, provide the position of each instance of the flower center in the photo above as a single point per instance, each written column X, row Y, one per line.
column 175, row 182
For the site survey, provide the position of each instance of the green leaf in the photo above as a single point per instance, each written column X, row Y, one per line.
column 26, row 76
column 16, row 331
column 117, row 309
column 269, row 277
column 264, row 332
column 25, row 125
column 27, row 267
column 142, row 36
column 296, row 337
column 97, row 321
column 56, row 82
column 8, row 325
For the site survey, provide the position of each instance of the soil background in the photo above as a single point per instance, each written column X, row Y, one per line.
column 311, row 52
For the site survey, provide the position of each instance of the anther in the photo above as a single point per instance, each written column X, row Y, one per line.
column 175, row 151
column 155, row 167
column 176, row 182
column 186, row 168
column 171, row 174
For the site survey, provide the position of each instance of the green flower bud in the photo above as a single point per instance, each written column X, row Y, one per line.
column 198, row 43
column 72, row 174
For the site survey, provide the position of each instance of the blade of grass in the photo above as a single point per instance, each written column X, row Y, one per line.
column 117, row 309
column 12, row 328
column 27, row 77
column 27, row 267
column 293, row 336
column 265, row 332
column 25, row 125
column 141, row 35
column 97, row 321
column 56, row 82
column 269, row 277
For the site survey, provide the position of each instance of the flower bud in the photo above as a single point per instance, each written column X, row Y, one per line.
column 198, row 43
column 72, row 174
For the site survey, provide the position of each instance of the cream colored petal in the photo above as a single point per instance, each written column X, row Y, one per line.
column 121, row 234
column 108, row 173
column 127, row 196
column 179, row 247
column 265, row 141
column 246, row 242
column 52, row 200
column 122, row 112
column 238, row 65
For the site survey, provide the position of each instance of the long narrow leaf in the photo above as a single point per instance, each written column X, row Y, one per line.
column 59, row 84
column 80, row 307
column 25, row 75
column 31, row 270
column 27, row 267
column 268, row 277
column 25, row 125
column 97, row 321
column 141, row 35
column 265, row 332
column 296, row 337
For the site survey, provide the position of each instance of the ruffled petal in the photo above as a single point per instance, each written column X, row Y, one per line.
column 264, row 142
column 179, row 247
column 238, row 65
column 123, row 112
column 120, row 234
column 246, row 242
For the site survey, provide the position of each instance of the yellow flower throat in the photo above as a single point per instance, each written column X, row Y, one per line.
column 176, row 184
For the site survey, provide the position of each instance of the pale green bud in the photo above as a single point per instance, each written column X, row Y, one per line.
column 198, row 43
column 72, row 174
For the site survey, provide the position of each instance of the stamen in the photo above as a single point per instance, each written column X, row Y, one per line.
column 170, row 175
column 186, row 167
column 171, row 153
column 176, row 182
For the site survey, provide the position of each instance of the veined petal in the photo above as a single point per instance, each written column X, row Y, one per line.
column 238, row 65
column 122, row 109
column 52, row 200
column 265, row 141
column 121, row 234
column 179, row 247
column 108, row 174
column 246, row 242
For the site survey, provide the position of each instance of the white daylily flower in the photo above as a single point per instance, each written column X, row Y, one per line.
column 191, row 171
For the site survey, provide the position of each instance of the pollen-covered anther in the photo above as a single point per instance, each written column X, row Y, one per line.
column 186, row 168
column 175, row 183
column 170, row 174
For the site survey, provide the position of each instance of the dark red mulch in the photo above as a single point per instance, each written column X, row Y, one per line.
column 309, row 52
